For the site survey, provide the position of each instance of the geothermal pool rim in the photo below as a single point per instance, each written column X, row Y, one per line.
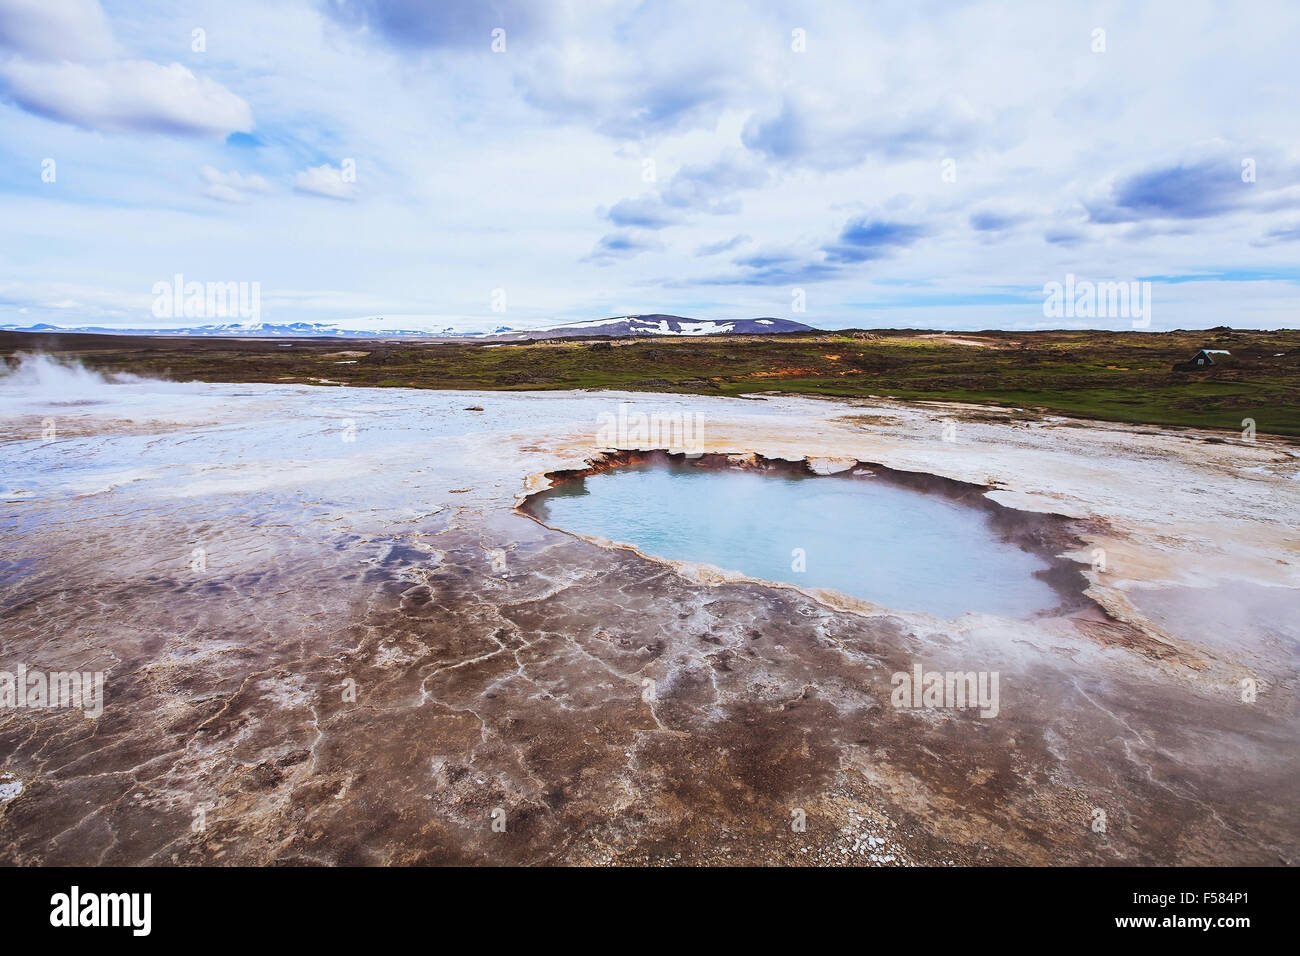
column 1049, row 536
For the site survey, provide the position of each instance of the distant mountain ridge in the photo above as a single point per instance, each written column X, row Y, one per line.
column 669, row 325
column 626, row 326
column 236, row 330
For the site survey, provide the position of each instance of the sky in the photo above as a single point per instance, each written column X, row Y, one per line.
column 474, row 164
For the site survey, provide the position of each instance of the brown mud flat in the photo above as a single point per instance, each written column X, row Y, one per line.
column 482, row 692
column 607, row 708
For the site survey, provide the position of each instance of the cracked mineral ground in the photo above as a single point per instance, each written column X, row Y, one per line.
column 331, row 633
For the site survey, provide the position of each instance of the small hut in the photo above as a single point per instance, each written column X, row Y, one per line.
column 1201, row 360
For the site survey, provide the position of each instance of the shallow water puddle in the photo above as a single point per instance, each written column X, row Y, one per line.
column 894, row 546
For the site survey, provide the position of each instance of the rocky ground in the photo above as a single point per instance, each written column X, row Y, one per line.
column 329, row 636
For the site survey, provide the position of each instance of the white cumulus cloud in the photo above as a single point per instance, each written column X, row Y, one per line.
column 56, row 29
column 125, row 95
column 231, row 186
column 63, row 66
column 325, row 180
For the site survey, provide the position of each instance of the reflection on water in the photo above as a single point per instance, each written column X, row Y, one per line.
column 894, row 546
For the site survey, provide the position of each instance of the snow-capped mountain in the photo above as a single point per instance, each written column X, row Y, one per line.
column 618, row 327
column 243, row 330
column 668, row 325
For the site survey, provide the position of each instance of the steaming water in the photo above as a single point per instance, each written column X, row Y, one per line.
column 893, row 546
column 80, row 446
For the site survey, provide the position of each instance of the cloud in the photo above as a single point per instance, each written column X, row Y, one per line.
column 621, row 245
column 231, row 187
column 325, row 180
column 722, row 245
column 705, row 187
column 801, row 135
column 1059, row 236
column 629, row 71
column 1199, row 190
column 860, row 240
column 751, row 138
column 55, row 29
column 1283, row 234
column 647, row 212
column 631, row 98
column 63, row 70
column 619, row 69
column 783, row 136
column 441, row 24
column 990, row 221
column 777, row 268
column 708, row 187
column 48, row 298
column 864, row 239
column 126, row 96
